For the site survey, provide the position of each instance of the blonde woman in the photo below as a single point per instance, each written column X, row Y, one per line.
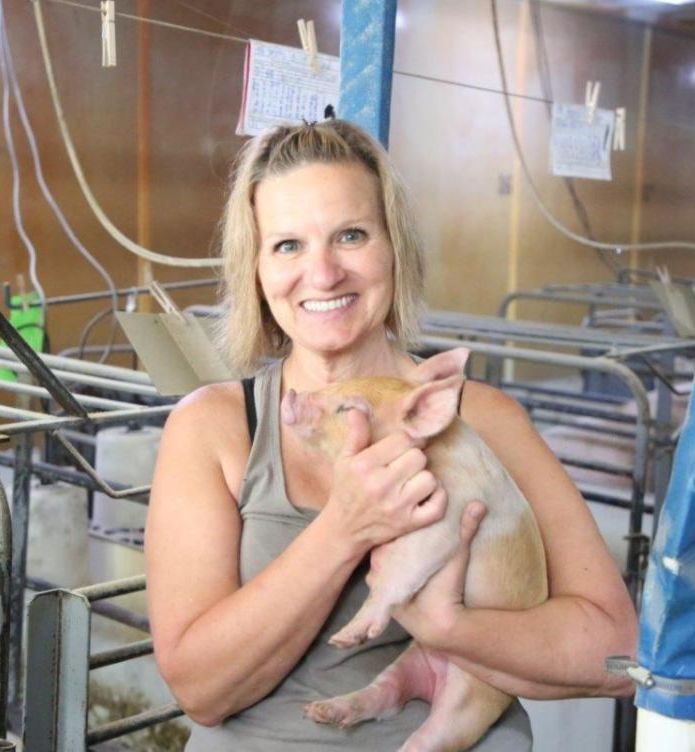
column 256, row 548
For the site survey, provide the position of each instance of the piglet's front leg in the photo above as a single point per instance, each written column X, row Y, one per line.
column 398, row 570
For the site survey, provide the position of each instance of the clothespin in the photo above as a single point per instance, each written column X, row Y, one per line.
column 22, row 292
column 307, row 36
column 108, row 33
column 165, row 300
column 593, row 89
column 619, row 130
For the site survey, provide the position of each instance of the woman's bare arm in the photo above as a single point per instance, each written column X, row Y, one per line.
column 556, row 649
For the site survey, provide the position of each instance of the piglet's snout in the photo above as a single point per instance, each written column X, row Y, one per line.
column 301, row 411
column 289, row 408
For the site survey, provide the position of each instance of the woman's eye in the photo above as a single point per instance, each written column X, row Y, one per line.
column 286, row 246
column 353, row 235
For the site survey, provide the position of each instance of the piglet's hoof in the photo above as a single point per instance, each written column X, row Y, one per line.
column 360, row 630
column 337, row 712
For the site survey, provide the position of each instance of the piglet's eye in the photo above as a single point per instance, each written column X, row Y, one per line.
column 342, row 409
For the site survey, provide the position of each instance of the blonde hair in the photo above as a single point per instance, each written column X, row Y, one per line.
column 248, row 331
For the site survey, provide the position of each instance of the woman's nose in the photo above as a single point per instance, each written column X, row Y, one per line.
column 326, row 270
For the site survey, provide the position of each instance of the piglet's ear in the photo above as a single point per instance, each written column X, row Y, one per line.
column 430, row 408
column 442, row 365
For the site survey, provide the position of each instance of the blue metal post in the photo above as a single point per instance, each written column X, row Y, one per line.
column 367, row 39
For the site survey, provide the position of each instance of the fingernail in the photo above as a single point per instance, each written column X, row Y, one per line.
column 475, row 512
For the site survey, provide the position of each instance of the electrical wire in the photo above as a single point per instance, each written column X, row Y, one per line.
column 38, row 170
column 615, row 246
column 16, row 177
column 153, row 21
column 544, row 76
column 123, row 240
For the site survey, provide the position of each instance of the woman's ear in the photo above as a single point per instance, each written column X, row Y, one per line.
column 442, row 365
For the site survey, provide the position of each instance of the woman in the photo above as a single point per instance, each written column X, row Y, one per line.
column 254, row 551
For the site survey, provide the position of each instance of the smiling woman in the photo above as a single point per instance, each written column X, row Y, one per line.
column 368, row 206
column 256, row 544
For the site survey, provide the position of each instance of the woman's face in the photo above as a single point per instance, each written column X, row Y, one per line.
column 325, row 261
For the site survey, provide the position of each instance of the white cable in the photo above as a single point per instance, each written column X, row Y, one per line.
column 16, row 207
column 38, row 171
column 126, row 242
column 529, row 180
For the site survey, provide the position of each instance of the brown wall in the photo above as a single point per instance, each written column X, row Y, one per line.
column 194, row 87
column 451, row 142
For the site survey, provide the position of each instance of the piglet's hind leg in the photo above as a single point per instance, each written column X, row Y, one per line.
column 407, row 677
column 463, row 708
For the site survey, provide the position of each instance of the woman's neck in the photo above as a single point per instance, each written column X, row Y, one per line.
column 307, row 370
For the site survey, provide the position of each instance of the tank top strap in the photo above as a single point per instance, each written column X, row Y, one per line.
column 263, row 493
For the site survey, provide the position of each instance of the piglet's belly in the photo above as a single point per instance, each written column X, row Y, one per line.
column 507, row 570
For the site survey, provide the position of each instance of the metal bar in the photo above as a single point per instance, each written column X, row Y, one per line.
column 599, row 467
column 5, row 588
column 113, row 588
column 39, row 369
column 367, row 38
column 20, row 528
column 101, row 608
column 579, row 336
column 92, row 473
column 576, row 298
column 121, row 615
column 568, row 408
column 582, row 396
column 87, row 400
column 83, row 378
column 117, row 655
column 121, row 292
column 57, row 672
column 85, row 366
column 103, row 419
column 48, row 471
column 554, row 421
column 610, row 501
column 133, row 723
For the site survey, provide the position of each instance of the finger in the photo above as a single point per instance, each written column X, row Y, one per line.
column 471, row 518
column 431, row 510
column 386, row 450
column 358, row 433
column 419, row 487
column 406, row 466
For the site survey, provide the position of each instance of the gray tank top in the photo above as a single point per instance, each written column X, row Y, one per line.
column 276, row 723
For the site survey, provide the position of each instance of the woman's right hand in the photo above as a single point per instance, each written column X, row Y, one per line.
column 383, row 490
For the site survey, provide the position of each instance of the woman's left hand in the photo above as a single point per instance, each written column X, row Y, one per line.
column 441, row 599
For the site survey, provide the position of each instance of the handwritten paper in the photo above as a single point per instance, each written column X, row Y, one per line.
column 579, row 148
column 280, row 87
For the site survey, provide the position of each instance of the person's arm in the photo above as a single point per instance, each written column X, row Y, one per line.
column 222, row 647
column 556, row 649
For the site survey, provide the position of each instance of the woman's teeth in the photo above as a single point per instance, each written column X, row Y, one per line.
column 327, row 305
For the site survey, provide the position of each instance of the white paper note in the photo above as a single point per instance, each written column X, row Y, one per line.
column 579, row 148
column 280, row 87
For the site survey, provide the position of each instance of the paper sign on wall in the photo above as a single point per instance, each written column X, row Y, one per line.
column 580, row 148
column 280, row 87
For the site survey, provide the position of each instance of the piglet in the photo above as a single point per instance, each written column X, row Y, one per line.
column 507, row 567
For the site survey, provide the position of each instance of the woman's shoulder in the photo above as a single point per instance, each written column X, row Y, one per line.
column 210, row 414
column 484, row 406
